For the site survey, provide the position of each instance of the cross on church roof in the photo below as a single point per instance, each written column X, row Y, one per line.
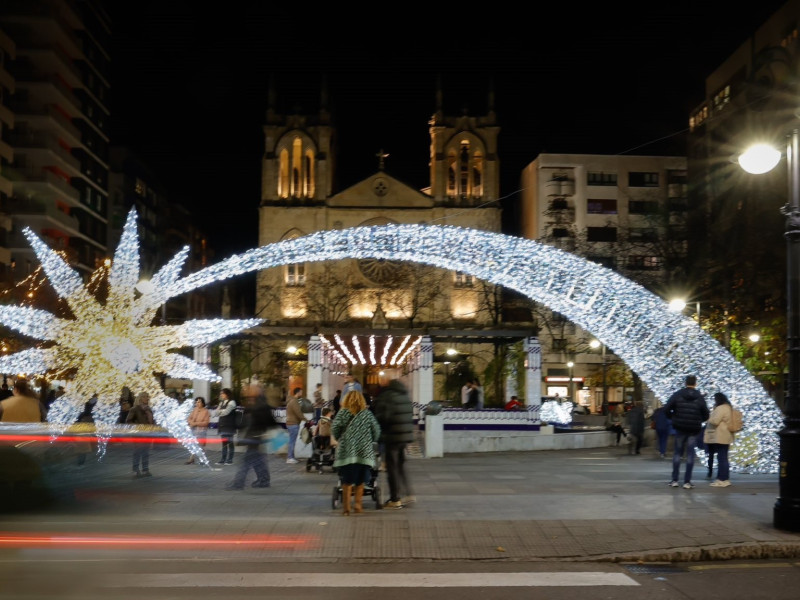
column 382, row 156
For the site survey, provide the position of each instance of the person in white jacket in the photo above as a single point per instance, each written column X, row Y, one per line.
column 718, row 437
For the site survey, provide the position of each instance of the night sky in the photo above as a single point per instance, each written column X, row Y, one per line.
column 189, row 86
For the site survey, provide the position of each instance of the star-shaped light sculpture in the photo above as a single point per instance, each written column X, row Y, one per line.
column 114, row 344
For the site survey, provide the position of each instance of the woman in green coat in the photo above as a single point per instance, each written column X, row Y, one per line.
column 356, row 432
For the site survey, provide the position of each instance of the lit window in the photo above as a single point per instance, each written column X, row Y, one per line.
column 462, row 279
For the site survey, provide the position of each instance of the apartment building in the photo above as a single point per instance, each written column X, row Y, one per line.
column 55, row 115
column 627, row 213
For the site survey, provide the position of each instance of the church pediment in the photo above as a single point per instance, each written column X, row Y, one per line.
column 380, row 191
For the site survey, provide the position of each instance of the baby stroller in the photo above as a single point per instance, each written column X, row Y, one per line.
column 322, row 454
column 371, row 488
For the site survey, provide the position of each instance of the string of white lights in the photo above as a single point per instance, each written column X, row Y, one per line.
column 112, row 345
column 403, row 344
column 661, row 346
column 409, row 349
column 357, row 346
column 372, row 349
column 345, row 349
column 385, row 354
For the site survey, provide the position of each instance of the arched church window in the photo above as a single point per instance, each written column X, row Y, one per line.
column 308, row 175
column 283, row 174
column 297, row 166
column 451, row 178
column 463, row 183
column 477, row 175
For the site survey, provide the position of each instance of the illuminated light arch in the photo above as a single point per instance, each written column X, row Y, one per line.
column 661, row 346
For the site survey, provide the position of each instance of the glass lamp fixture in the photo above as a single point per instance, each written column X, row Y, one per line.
column 759, row 158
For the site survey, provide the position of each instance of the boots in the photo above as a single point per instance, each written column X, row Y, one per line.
column 346, row 489
column 357, row 508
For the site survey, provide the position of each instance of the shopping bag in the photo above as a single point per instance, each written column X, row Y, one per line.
column 274, row 440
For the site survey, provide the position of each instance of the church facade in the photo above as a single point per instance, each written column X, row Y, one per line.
column 347, row 302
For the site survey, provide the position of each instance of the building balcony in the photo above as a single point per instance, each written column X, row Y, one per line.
column 45, row 213
column 47, row 142
column 42, row 181
column 559, row 187
column 45, row 117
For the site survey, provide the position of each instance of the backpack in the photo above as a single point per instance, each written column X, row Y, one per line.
column 737, row 423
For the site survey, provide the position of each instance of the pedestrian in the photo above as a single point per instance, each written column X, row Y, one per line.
column 663, row 427
column 465, row 390
column 477, row 385
column 513, row 404
column 473, row 397
column 141, row 414
column 718, row 438
column 22, row 406
column 395, row 414
column 198, row 420
column 687, row 410
column 319, row 402
column 635, row 418
column 614, row 420
column 226, row 425
column 351, row 384
column 356, row 431
column 294, row 417
column 337, row 402
column 258, row 419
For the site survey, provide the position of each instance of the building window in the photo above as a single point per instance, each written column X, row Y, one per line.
column 600, row 178
column 643, row 234
column 559, row 344
column 296, row 275
column 559, row 204
column 601, row 207
column 601, row 234
column 638, row 179
column 283, row 176
column 643, row 207
column 560, row 232
column 461, row 279
column 140, row 188
column 644, row 263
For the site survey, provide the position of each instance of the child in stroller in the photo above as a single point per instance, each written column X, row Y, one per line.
column 323, row 447
column 372, row 488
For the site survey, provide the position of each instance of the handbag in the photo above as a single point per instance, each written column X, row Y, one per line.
column 274, row 440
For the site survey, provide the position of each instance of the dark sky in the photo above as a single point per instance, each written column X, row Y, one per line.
column 190, row 81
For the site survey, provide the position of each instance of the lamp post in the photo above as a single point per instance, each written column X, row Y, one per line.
column 604, row 404
column 571, row 388
column 786, row 513
column 678, row 304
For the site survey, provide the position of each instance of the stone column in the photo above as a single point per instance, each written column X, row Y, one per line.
column 533, row 374
column 314, row 371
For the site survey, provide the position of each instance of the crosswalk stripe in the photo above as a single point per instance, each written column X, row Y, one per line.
column 362, row 580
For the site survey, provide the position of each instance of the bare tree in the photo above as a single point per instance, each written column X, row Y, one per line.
column 328, row 295
column 417, row 292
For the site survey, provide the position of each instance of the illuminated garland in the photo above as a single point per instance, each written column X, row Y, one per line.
column 113, row 345
column 661, row 346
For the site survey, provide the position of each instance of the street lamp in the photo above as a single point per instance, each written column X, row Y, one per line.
column 571, row 365
column 786, row 513
column 678, row 304
column 595, row 344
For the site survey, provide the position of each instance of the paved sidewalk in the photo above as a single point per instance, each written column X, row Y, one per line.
column 598, row 504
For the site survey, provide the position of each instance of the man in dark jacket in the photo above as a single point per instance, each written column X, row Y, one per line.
column 395, row 415
column 687, row 409
column 258, row 419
